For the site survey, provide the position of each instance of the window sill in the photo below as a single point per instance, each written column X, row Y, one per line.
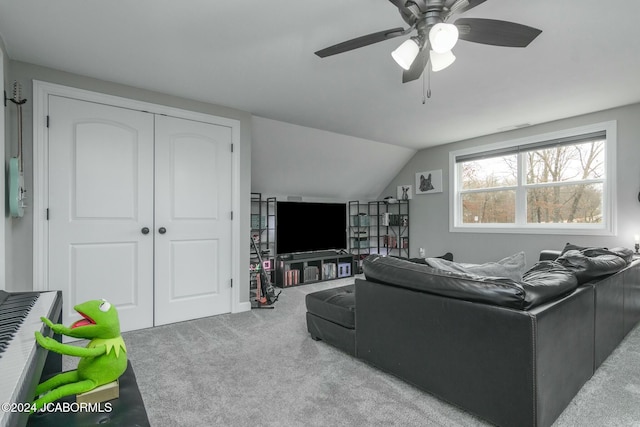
column 501, row 229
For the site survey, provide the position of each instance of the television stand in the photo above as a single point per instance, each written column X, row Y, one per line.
column 312, row 267
column 306, row 255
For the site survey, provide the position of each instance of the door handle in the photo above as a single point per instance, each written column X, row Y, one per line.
column 145, row 230
column 162, row 230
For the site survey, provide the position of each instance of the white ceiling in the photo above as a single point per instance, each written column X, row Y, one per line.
column 257, row 56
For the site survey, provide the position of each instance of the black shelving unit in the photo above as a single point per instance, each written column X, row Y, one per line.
column 389, row 227
column 308, row 268
column 263, row 222
column 359, row 225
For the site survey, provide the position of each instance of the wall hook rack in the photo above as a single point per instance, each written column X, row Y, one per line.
column 16, row 165
column 15, row 101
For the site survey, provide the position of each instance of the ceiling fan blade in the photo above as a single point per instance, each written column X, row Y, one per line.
column 472, row 4
column 408, row 13
column 417, row 67
column 496, row 33
column 398, row 3
column 360, row 42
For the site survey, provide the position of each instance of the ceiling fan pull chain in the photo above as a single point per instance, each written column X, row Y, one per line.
column 428, row 92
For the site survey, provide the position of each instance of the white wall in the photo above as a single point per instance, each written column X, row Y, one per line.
column 292, row 160
column 429, row 213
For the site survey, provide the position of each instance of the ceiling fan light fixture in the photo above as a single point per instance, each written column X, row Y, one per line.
column 443, row 37
column 440, row 61
column 406, row 53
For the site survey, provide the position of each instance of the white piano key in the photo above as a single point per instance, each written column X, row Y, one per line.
column 19, row 355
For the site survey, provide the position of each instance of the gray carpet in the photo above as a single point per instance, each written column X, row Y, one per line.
column 260, row 368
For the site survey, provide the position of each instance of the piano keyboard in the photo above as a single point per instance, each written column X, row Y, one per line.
column 21, row 359
column 12, row 313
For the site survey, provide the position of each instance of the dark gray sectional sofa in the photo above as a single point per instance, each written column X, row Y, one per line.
column 514, row 355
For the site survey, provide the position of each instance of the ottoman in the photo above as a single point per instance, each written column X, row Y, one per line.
column 331, row 317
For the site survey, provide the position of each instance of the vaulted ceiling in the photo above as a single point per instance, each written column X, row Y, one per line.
column 257, row 56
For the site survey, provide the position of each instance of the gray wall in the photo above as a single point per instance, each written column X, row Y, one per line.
column 19, row 239
column 4, row 136
column 291, row 160
column 429, row 227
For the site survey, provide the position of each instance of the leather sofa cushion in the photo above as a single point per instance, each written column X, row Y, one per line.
column 545, row 281
column 571, row 247
column 511, row 267
column 448, row 256
column 625, row 253
column 591, row 251
column 549, row 255
column 591, row 263
column 488, row 290
column 337, row 305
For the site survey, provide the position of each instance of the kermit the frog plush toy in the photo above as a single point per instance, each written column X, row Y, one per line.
column 102, row 361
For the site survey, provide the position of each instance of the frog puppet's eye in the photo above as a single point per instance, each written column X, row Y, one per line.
column 105, row 306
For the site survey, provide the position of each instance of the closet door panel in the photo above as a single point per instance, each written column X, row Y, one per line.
column 193, row 220
column 193, row 174
column 100, row 198
column 106, row 164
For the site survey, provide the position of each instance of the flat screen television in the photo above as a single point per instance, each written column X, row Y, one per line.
column 306, row 226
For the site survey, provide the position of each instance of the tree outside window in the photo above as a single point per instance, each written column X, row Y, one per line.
column 533, row 185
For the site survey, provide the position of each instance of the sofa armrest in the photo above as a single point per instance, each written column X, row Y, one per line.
column 565, row 351
column 476, row 356
column 549, row 255
column 510, row 367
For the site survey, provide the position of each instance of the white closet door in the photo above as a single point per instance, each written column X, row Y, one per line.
column 100, row 200
column 192, row 220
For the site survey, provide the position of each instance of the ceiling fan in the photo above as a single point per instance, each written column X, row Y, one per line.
column 435, row 37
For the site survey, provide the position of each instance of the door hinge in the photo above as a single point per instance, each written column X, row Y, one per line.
column 47, row 214
column 231, row 215
column 47, row 120
column 232, row 148
column 232, row 283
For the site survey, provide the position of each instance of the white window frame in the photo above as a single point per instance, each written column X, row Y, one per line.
column 607, row 228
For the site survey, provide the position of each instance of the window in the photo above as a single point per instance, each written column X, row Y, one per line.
column 563, row 182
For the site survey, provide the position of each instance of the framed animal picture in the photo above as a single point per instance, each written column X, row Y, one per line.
column 405, row 192
column 429, row 182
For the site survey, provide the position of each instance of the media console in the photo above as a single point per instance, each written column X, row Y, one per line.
column 310, row 267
